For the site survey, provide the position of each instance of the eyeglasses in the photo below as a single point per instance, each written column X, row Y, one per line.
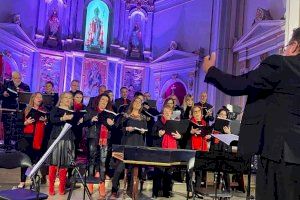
column 283, row 49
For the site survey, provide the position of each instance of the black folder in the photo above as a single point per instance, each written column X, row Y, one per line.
column 77, row 115
column 205, row 130
column 220, row 123
column 36, row 114
column 172, row 126
column 104, row 115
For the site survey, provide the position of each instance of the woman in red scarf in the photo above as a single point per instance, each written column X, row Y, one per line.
column 33, row 132
column 196, row 140
column 162, row 179
column 99, row 122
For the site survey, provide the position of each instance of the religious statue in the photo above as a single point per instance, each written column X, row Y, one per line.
column 135, row 42
column 52, row 31
column 54, row 24
column 95, row 33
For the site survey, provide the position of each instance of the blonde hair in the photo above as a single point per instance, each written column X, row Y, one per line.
column 186, row 97
column 63, row 95
column 31, row 102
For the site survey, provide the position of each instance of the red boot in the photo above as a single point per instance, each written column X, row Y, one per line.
column 102, row 192
column 91, row 187
column 52, row 177
column 62, row 180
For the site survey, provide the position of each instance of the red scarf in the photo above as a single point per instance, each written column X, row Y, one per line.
column 103, row 133
column 216, row 140
column 37, row 130
column 78, row 106
column 199, row 142
column 168, row 141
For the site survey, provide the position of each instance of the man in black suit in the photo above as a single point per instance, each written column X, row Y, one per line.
column 123, row 100
column 74, row 87
column 206, row 108
column 10, row 101
column 271, row 120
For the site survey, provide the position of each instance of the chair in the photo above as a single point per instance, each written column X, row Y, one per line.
column 14, row 159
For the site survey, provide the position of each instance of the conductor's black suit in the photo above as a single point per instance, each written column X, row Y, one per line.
column 271, row 122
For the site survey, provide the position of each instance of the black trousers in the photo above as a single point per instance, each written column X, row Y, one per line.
column 33, row 154
column 277, row 180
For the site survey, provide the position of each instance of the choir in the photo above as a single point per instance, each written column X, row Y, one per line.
column 102, row 123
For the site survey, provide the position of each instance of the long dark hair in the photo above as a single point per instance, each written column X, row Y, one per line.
column 97, row 100
column 130, row 108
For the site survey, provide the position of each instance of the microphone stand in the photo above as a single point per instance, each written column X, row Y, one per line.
column 82, row 180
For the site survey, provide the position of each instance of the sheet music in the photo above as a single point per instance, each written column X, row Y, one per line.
column 140, row 129
column 226, row 138
column 111, row 112
column 12, row 91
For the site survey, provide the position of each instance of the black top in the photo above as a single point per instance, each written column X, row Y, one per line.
column 134, row 138
column 57, row 125
column 119, row 102
column 270, row 123
column 94, row 127
column 186, row 113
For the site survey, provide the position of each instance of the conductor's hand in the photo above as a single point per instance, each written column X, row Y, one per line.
column 176, row 135
column 5, row 94
column 28, row 121
column 208, row 62
column 110, row 121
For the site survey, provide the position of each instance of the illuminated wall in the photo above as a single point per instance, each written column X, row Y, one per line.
column 96, row 27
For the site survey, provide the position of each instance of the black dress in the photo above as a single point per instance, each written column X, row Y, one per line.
column 65, row 149
column 134, row 138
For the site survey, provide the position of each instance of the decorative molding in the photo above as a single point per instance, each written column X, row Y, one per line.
column 161, row 5
column 264, row 36
column 11, row 37
column 148, row 5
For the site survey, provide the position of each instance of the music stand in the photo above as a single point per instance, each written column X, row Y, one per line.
column 34, row 171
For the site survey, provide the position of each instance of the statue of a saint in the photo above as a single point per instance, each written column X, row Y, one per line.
column 53, row 31
column 136, row 38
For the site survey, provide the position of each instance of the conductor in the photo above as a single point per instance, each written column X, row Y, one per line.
column 271, row 122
